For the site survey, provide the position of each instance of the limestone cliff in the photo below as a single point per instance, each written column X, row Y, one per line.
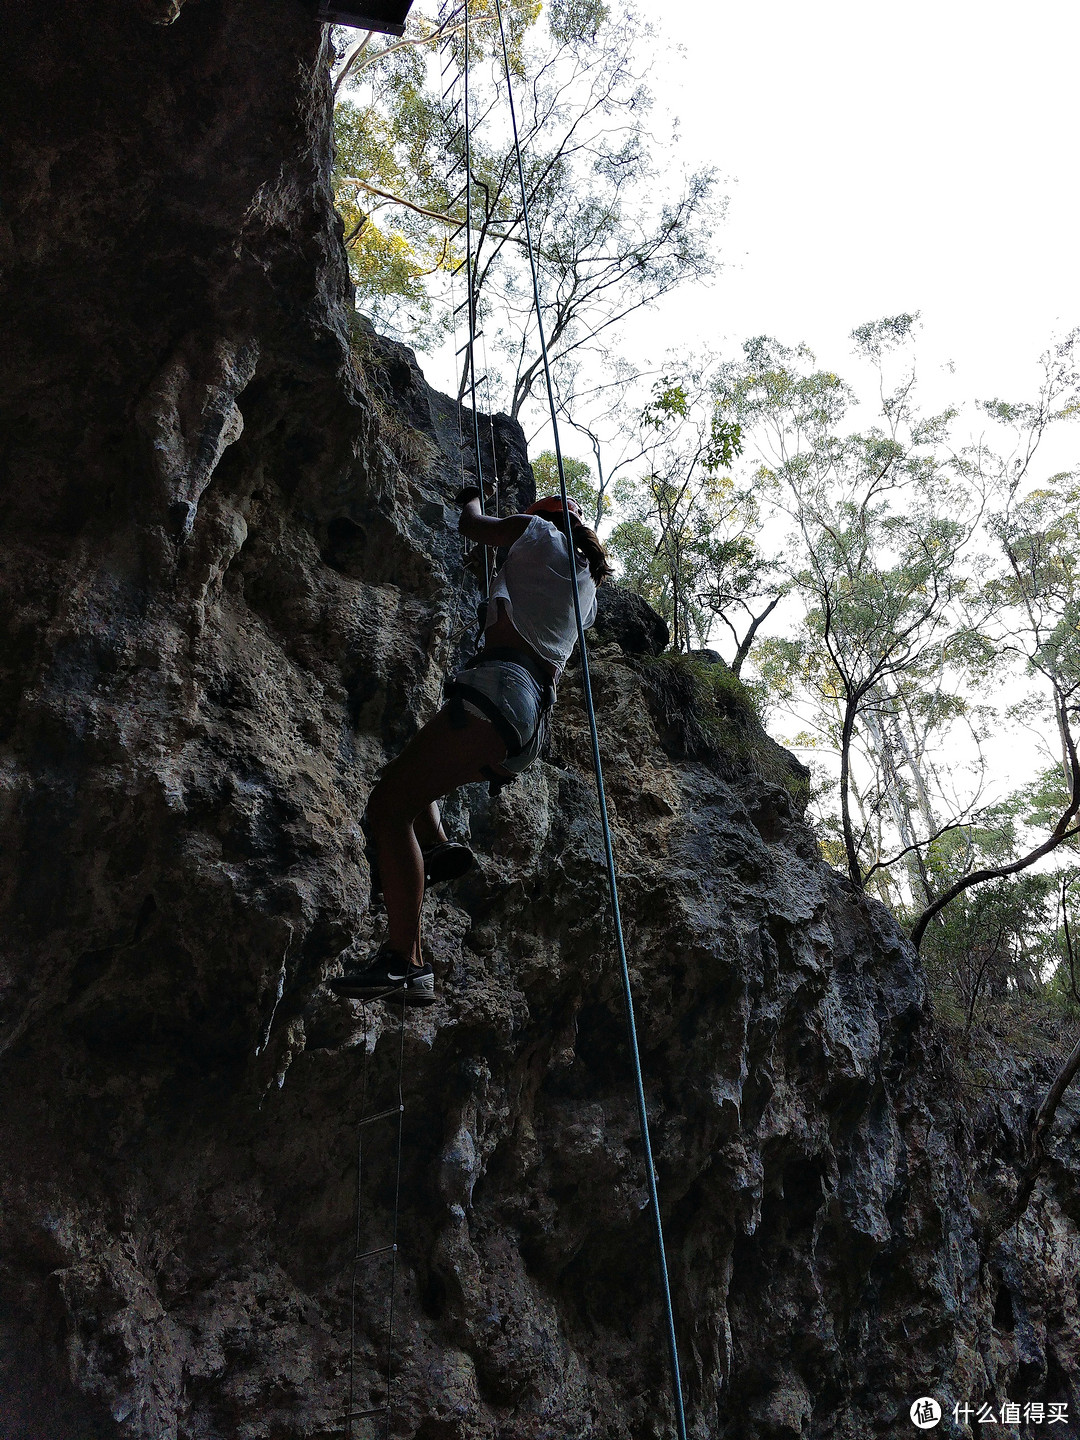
column 228, row 591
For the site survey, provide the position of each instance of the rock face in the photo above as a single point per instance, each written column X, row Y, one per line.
column 628, row 619
column 228, row 592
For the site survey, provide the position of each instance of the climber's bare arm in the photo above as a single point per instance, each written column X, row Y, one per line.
column 490, row 529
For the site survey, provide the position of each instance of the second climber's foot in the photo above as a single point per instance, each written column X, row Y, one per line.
column 388, row 975
column 447, row 861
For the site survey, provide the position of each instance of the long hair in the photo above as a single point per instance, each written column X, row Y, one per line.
column 587, row 545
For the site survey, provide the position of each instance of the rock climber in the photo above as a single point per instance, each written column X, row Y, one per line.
column 492, row 726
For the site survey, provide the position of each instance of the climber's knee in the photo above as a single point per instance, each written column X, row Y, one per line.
column 456, row 713
column 395, row 799
column 381, row 807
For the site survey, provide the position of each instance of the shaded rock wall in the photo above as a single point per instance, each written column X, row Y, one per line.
column 228, row 591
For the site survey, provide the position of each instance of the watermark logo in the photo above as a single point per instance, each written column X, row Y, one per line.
column 925, row 1412
column 1010, row 1412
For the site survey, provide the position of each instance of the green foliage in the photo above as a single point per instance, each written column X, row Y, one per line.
column 576, row 21
column 994, row 942
column 411, row 446
column 670, row 399
column 1036, row 595
column 687, row 539
column 881, row 519
column 704, row 711
column 877, row 337
column 1062, row 992
column 579, row 482
column 612, row 234
column 394, row 151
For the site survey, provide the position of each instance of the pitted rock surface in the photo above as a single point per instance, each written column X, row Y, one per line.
column 229, row 590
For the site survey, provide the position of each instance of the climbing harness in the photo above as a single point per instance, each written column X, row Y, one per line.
column 385, row 1253
column 613, row 885
column 458, row 691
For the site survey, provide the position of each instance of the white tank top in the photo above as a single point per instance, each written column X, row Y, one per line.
column 534, row 584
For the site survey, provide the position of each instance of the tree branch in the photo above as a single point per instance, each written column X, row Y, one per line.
column 748, row 639
column 1044, row 1118
column 1060, row 832
column 918, row 845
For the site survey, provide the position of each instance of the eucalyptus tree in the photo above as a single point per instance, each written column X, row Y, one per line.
column 579, row 481
column 1033, row 610
column 880, row 521
column 1037, row 591
column 613, row 233
column 686, row 536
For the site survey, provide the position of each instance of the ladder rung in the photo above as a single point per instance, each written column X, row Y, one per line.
column 382, row 1115
column 382, row 1250
column 470, row 342
column 463, row 306
column 367, row 1414
column 458, row 268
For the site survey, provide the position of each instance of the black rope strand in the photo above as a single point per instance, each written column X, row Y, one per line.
column 394, row 1228
column 386, row 1409
column 351, row 1406
column 491, row 419
column 471, row 274
column 643, row 1118
column 461, row 626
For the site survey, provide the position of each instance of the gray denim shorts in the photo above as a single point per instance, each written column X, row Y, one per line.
column 510, row 698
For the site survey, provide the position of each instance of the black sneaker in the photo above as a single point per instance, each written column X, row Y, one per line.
column 387, row 976
column 447, row 861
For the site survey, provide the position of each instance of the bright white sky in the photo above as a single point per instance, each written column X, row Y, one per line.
column 886, row 158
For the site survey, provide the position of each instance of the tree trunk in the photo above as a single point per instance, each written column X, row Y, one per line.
column 748, row 639
column 848, row 731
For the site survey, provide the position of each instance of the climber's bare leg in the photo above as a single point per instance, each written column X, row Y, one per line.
column 429, row 828
column 438, row 759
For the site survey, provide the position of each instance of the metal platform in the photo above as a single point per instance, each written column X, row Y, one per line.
column 387, row 16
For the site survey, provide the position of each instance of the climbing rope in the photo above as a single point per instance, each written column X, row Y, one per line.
column 643, row 1118
column 464, row 616
column 471, row 270
column 471, row 266
column 383, row 1411
column 446, row 50
column 489, row 409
